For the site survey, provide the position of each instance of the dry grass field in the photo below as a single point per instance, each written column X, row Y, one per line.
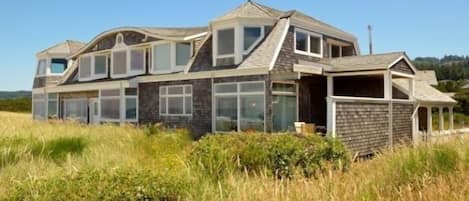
column 67, row 161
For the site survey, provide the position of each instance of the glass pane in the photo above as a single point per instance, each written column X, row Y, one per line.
column 52, row 96
column 119, row 63
column 188, row 104
column 39, row 110
column 162, row 57
column 226, row 41
column 301, row 41
column 85, row 67
column 41, row 67
column 226, row 113
column 76, row 110
column 175, row 90
column 188, row 90
column 252, row 87
column 183, row 53
column 131, row 108
column 137, row 60
column 110, row 108
column 175, row 105
column 251, row 35
column 284, row 113
column 131, row 91
column 100, row 65
column 281, row 87
column 112, row 92
column 252, row 113
column 315, row 44
column 226, row 88
column 163, row 105
column 163, row 90
column 58, row 65
column 52, row 109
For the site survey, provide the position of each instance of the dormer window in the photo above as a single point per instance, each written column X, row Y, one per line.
column 251, row 36
column 119, row 63
column 170, row 56
column 41, row 67
column 225, row 46
column 54, row 66
column 308, row 43
column 93, row 67
column 58, row 66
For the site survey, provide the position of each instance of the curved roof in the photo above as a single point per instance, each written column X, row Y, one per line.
column 167, row 33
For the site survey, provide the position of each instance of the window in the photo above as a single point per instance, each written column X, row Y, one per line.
column 176, row 100
column 131, row 104
column 100, row 64
column 162, row 58
column 239, row 106
column 119, row 63
column 76, row 109
column 284, row 107
column 183, row 53
column 110, row 105
column 85, row 67
column 137, row 60
column 308, row 43
column 52, row 106
column 226, row 42
column 252, row 35
column 58, row 66
column 41, row 67
column 39, row 106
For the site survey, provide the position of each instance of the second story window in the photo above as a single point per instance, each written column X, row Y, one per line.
column 308, row 43
column 252, row 35
column 170, row 57
column 119, row 63
column 93, row 67
column 58, row 66
column 41, row 67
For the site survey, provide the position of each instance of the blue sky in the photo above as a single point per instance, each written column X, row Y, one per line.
column 420, row 27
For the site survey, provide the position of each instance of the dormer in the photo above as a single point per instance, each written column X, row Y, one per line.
column 52, row 63
column 238, row 32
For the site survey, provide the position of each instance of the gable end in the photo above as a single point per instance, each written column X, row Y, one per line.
column 403, row 67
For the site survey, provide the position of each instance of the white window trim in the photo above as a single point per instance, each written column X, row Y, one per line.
column 245, row 52
column 136, row 108
column 183, row 96
column 136, row 72
column 93, row 76
column 173, row 66
column 127, row 63
column 49, row 70
column 308, row 44
column 118, row 97
column 295, row 94
column 238, row 95
column 235, row 48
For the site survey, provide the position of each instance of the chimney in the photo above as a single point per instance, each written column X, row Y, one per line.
column 370, row 38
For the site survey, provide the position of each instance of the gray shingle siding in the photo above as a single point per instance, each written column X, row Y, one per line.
column 402, row 123
column 402, row 67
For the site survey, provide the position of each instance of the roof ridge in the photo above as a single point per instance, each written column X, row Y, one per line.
column 263, row 8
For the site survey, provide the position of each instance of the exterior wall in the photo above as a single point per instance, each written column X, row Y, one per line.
column 363, row 127
column 40, row 82
column 402, row 123
column 402, row 67
column 199, row 123
column 203, row 59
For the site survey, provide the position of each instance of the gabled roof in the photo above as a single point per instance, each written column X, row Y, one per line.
column 424, row 93
column 365, row 62
column 428, row 76
column 65, row 48
column 251, row 10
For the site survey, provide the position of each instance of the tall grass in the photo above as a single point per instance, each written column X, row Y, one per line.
column 66, row 161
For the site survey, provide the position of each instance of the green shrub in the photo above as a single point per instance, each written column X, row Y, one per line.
column 283, row 155
column 58, row 149
column 100, row 184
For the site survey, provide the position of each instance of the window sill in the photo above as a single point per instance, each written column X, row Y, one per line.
column 308, row 54
column 91, row 78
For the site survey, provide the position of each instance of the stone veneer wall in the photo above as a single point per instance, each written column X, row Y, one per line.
column 363, row 127
column 402, row 123
column 199, row 123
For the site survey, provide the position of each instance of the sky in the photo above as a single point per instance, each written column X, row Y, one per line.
column 419, row 27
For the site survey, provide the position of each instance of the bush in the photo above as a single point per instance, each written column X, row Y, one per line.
column 93, row 184
column 282, row 155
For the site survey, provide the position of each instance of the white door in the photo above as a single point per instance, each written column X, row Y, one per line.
column 94, row 111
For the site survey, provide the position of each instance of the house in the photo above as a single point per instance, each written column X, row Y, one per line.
column 253, row 69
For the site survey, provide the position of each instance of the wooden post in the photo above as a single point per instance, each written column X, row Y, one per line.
column 331, row 107
column 411, row 88
column 441, row 119
column 451, row 118
column 429, row 120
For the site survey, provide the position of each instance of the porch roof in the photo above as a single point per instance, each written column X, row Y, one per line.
column 363, row 62
column 424, row 93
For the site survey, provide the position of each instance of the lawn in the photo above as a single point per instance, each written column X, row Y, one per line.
column 67, row 161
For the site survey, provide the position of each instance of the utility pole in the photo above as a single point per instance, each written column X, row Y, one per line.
column 370, row 38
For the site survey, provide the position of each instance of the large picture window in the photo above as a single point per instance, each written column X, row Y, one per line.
column 76, row 109
column 284, row 106
column 110, row 105
column 176, row 100
column 308, row 43
column 239, row 106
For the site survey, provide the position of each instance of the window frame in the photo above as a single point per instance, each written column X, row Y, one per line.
column 47, row 61
column 66, row 101
column 238, row 95
column 56, row 100
column 184, row 95
column 129, row 67
column 295, row 94
column 93, row 75
column 49, row 68
column 118, row 97
column 309, row 34
column 127, row 62
column 125, row 107
column 261, row 37
column 172, row 53
column 34, row 99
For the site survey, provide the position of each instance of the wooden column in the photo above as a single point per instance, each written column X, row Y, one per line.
column 451, row 118
column 441, row 120
column 429, row 120
column 331, row 115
